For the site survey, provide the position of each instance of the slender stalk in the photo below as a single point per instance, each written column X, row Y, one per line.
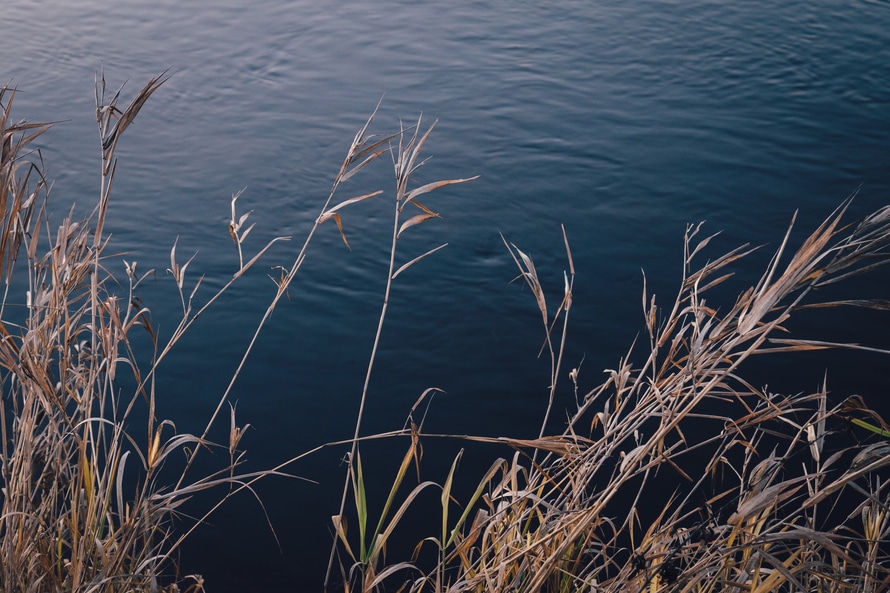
column 361, row 408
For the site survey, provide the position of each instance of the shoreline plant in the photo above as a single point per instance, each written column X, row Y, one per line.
column 84, row 507
column 673, row 474
column 88, row 503
column 676, row 474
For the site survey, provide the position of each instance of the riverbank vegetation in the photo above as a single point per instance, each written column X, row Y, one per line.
column 675, row 473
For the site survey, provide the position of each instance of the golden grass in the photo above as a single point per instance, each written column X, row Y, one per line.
column 675, row 473
column 84, row 507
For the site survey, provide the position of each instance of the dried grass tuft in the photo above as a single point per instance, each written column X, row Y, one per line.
column 677, row 474
column 84, row 505
column 673, row 474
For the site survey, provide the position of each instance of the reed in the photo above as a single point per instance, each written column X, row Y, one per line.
column 83, row 508
column 674, row 473
column 90, row 503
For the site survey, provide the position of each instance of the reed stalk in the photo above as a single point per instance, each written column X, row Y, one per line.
column 84, row 507
column 671, row 473
column 678, row 474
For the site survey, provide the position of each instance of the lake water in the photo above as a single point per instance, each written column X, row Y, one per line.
column 623, row 120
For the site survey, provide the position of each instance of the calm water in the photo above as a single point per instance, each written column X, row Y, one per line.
column 623, row 120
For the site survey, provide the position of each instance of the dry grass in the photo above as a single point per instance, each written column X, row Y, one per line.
column 673, row 474
column 82, row 507
column 84, row 504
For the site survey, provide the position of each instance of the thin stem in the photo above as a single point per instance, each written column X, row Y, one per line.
column 361, row 408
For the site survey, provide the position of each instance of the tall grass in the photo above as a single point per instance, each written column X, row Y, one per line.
column 674, row 473
column 83, row 508
column 92, row 476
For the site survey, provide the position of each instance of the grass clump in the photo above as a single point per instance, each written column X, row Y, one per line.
column 675, row 473
column 82, row 505
column 92, row 476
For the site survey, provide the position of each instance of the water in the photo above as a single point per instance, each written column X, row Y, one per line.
column 625, row 121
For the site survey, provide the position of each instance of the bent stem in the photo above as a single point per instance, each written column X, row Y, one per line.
column 529, row 273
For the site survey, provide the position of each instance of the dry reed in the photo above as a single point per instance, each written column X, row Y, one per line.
column 766, row 493
column 83, row 508
column 84, row 505
column 676, row 474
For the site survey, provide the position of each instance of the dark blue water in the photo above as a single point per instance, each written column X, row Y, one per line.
column 624, row 121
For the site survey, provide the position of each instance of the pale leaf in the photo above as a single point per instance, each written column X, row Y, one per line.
column 423, row 189
column 415, row 220
column 330, row 211
column 417, row 259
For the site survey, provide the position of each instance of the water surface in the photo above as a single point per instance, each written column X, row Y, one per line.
column 624, row 121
